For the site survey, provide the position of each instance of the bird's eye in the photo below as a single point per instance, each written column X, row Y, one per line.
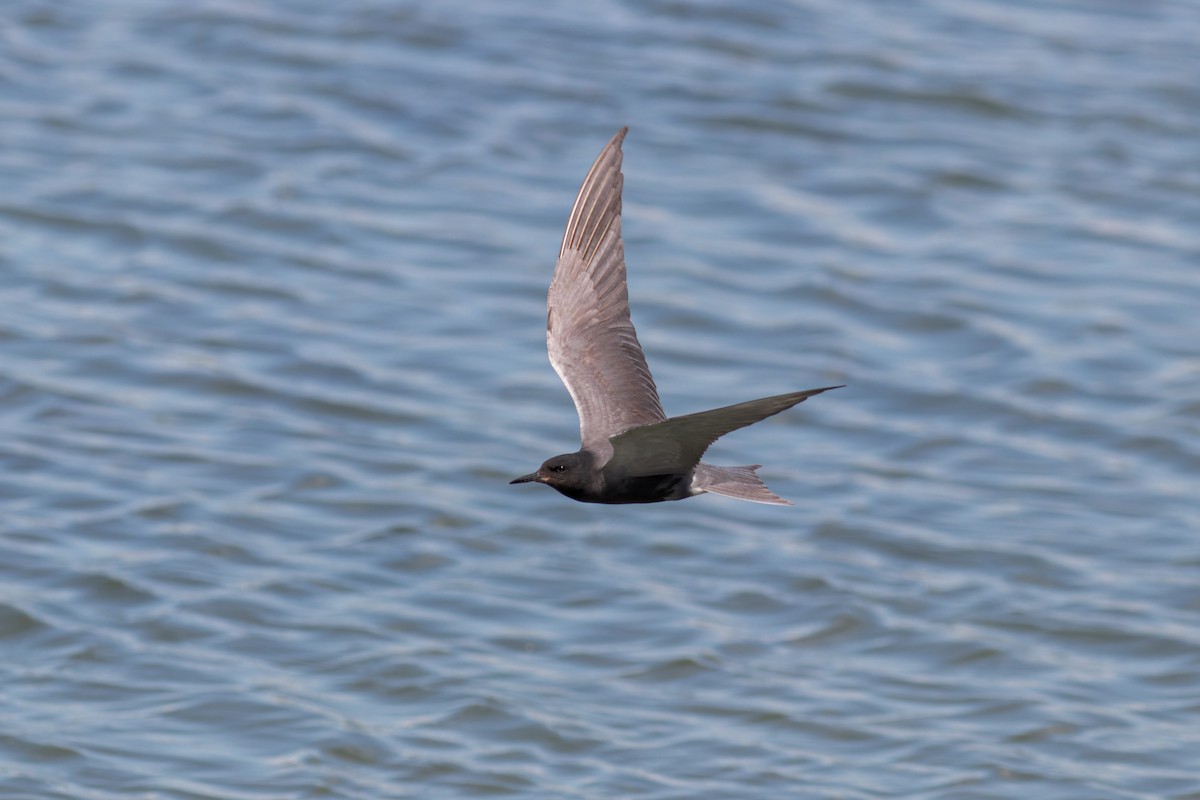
column 559, row 468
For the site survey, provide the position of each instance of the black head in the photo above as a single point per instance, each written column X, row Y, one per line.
column 570, row 474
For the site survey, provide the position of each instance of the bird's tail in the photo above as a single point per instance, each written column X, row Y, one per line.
column 738, row 482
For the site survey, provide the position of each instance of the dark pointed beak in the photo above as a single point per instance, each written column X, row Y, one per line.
column 530, row 478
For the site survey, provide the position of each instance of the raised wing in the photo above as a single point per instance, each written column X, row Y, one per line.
column 589, row 335
column 676, row 445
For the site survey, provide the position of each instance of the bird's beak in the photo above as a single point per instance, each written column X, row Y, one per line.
column 530, row 478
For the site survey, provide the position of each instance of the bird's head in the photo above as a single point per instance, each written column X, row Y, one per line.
column 569, row 473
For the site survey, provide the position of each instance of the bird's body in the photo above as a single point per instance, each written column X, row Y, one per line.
column 609, row 485
column 631, row 452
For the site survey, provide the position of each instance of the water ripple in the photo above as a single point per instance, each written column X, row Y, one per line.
column 274, row 291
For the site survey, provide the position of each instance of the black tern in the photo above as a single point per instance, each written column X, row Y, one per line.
column 631, row 452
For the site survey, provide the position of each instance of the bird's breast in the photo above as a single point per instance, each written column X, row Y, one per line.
column 646, row 488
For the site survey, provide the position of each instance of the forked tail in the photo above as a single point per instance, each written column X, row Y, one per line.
column 737, row 482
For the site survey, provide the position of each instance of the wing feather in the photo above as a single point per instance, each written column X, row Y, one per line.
column 589, row 335
column 676, row 445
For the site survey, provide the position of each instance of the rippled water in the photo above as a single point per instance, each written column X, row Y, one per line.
column 272, row 279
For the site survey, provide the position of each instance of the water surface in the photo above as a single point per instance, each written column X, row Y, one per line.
column 272, row 280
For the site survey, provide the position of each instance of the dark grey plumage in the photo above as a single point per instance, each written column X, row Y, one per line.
column 631, row 452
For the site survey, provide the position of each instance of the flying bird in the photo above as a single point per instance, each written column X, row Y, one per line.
column 631, row 452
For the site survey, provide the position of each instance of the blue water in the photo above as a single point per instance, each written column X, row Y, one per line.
column 272, row 284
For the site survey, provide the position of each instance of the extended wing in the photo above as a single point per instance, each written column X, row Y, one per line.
column 589, row 336
column 676, row 445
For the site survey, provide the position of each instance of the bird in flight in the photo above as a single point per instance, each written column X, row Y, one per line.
column 631, row 452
